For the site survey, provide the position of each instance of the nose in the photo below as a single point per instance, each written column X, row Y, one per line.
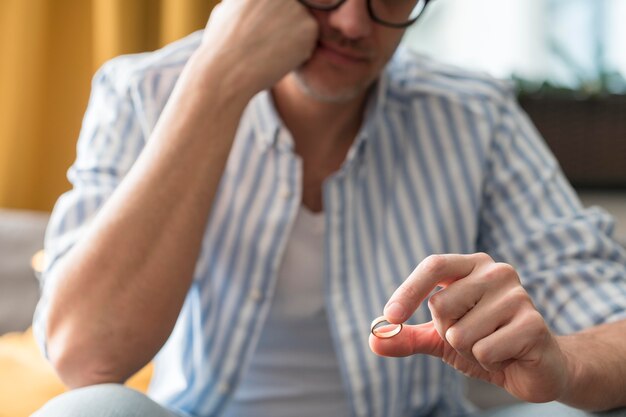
column 351, row 19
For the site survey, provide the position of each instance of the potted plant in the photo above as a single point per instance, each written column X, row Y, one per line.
column 584, row 124
column 586, row 130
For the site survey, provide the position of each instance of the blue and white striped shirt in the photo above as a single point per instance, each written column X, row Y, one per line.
column 445, row 162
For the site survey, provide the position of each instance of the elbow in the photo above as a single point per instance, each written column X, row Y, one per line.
column 77, row 364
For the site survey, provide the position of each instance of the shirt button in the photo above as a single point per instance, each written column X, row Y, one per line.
column 223, row 388
column 285, row 193
column 256, row 295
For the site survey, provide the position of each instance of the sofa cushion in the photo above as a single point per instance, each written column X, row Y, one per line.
column 21, row 235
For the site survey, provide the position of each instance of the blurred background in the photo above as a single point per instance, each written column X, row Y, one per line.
column 575, row 44
column 49, row 51
column 565, row 57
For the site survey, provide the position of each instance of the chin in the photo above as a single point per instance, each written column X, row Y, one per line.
column 329, row 88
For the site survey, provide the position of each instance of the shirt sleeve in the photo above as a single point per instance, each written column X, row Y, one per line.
column 531, row 218
column 110, row 141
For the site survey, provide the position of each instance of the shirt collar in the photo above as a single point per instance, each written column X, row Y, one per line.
column 266, row 120
column 373, row 113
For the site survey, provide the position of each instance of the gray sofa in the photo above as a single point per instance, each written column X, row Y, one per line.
column 21, row 236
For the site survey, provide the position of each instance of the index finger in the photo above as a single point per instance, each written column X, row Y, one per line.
column 433, row 271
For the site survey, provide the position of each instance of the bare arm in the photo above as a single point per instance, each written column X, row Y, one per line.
column 597, row 367
column 122, row 287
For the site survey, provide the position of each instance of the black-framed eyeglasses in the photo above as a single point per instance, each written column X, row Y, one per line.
column 392, row 13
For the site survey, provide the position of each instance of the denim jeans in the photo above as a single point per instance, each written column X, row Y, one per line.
column 106, row 400
column 113, row 400
column 553, row 409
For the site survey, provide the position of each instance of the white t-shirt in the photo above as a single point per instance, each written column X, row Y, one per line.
column 294, row 370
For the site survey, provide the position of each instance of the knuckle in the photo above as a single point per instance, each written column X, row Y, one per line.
column 433, row 264
column 457, row 338
column 534, row 323
column 483, row 354
column 515, row 299
column 438, row 305
column 489, row 276
column 531, row 327
column 482, row 258
column 499, row 272
column 506, row 270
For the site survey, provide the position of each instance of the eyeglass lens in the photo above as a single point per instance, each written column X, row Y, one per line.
column 394, row 12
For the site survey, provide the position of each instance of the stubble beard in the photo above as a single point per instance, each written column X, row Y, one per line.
column 327, row 94
column 318, row 90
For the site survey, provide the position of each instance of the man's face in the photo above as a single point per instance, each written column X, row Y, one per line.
column 350, row 54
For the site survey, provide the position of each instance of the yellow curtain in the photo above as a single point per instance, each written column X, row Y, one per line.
column 49, row 50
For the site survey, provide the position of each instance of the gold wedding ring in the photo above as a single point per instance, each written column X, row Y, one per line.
column 382, row 329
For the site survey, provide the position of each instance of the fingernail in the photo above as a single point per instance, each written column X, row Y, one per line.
column 395, row 312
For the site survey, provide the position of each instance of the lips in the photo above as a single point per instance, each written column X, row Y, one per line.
column 341, row 55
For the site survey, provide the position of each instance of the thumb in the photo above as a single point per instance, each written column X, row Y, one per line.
column 413, row 339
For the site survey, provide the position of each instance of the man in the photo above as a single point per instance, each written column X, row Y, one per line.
column 247, row 224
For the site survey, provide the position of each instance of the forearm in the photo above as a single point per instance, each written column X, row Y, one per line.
column 124, row 283
column 597, row 367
